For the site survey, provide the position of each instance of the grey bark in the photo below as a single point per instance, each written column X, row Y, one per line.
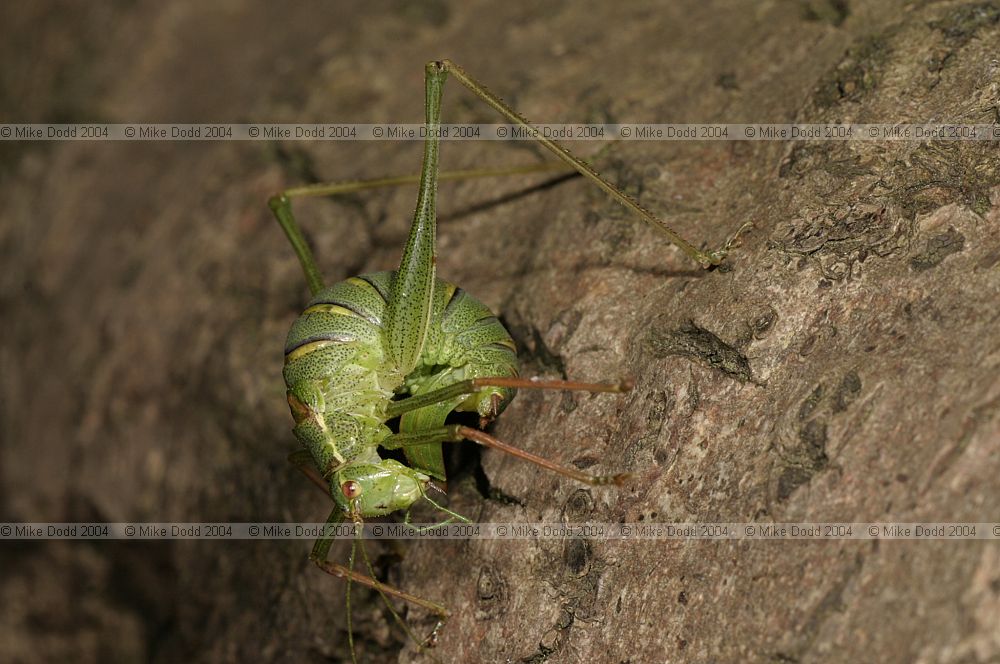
column 842, row 366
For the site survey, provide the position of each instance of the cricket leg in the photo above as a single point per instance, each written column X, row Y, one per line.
column 456, row 433
column 705, row 258
column 281, row 204
column 473, row 385
column 319, row 555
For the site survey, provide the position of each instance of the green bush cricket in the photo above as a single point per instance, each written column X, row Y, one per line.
column 408, row 345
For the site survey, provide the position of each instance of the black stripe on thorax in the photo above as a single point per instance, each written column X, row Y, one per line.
column 378, row 289
column 482, row 322
column 500, row 346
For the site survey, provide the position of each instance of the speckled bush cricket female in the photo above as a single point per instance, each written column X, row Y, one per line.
column 406, row 344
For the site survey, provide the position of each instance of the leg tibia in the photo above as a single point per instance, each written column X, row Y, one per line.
column 456, row 433
column 473, row 385
column 705, row 258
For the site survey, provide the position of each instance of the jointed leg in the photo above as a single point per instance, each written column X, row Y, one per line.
column 706, row 258
column 281, row 204
column 456, row 433
column 318, row 556
column 472, row 385
column 320, row 551
column 350, row 186
column 452, row 434
column 321, row 548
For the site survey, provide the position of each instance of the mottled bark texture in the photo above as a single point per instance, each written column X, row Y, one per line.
column 842, row 365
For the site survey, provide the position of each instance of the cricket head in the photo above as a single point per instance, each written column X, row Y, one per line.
column 377, row 488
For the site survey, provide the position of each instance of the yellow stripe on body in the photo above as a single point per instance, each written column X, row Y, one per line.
column 330, row 309
column 509, row 343
column 310, row 347
column 450, row 292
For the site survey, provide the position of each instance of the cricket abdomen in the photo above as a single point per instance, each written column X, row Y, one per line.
column 340, row 377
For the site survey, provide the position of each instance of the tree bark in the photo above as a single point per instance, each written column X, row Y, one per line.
column 842, row 366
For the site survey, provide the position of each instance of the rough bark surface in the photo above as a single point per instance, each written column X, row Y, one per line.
column 842, row 366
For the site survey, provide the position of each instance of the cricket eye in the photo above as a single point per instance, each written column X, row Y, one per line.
column 350, row 489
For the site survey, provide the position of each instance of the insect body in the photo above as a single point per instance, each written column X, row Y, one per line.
column 341, row 379
column 406, row 344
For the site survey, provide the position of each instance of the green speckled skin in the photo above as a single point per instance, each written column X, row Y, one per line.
column 340, row 376
column 368, row 340
column 414, row 286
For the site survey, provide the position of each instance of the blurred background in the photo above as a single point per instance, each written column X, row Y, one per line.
column 841, row 367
